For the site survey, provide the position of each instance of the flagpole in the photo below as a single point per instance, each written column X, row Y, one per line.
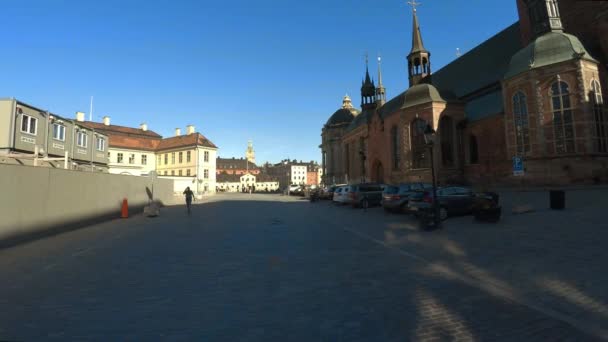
column 91, row 110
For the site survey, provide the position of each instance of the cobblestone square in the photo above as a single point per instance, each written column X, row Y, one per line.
column 274, row 268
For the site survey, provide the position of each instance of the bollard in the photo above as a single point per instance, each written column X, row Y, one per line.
column 557, row 199
column 124, row 212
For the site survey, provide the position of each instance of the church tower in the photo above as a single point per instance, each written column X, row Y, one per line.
column 419, row 59
column 250, row 155
column 380, row 90
column 544, row 17
column 368, row 90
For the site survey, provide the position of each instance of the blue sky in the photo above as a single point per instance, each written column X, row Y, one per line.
column 270, row 71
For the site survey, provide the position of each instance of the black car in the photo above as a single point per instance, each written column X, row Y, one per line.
column 453, row 200
column 396, row 197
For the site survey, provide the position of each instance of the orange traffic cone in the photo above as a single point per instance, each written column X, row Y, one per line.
column 124, row 212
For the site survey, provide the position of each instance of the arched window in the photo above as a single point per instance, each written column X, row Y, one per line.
column 419, row 148
column 473, row 151
column 522, row 126
column 446, row 130
column 395, row 147
column 562, row 118
column 601, row 124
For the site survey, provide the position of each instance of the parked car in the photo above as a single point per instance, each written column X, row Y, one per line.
column 395, row 197
column 341, row 194
column 365, row 195
column 453, row 200
column 330, row 191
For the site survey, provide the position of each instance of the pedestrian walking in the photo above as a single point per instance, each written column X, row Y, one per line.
column 189, row 197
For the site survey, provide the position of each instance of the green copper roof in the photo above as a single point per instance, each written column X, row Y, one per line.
column 421, row 93
column 484, row 106
column 550, row 48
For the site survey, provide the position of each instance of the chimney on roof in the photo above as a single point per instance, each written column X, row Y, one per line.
column 178, row 132
column 143, row 126
column 80, row 116
column 190, row 129
column 106, row 120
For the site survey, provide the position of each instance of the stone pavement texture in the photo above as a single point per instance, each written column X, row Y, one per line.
column 272, row 268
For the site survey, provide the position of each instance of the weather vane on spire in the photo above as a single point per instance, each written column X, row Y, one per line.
column 414, row 4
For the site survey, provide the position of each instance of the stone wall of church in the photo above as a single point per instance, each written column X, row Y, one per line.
column 492, row 164
column 352, row 145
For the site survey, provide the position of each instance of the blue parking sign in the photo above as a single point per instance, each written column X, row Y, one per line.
column 518, row 166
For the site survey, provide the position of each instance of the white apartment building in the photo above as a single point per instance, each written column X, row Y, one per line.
column 298, row 174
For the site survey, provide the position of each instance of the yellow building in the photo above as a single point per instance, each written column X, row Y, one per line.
column 189, row 155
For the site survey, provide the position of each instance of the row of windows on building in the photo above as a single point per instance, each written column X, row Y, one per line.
column 120, row 158
column 180, row 157
column 181, row 173
column 29, row 125
column 564, row 133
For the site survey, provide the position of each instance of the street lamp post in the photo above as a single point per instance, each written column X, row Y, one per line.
column 429, row 139
column 362, row 154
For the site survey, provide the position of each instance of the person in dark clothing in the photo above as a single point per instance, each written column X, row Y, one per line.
column 189, row 196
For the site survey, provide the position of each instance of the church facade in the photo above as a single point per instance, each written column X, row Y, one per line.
column 535, row 92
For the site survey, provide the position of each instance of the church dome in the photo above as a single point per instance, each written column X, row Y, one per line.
column 550, row 48
column 344, row 115
column 421, row 93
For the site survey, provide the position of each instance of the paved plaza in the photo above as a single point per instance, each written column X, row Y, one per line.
column 274, row 268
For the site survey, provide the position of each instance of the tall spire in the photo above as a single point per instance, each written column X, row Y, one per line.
column 367, row 78
column 419, row 59
column 417, row 44
column 368, row 89
column 380, row 90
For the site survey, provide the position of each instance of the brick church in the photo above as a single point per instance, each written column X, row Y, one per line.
column 533, row 91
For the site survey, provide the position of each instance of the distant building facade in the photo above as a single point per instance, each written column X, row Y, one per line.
column 246, row 182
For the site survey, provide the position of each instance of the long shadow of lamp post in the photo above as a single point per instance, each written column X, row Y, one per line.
column 429, row 138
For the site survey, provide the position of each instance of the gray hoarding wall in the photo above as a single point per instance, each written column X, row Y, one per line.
column 37, row 200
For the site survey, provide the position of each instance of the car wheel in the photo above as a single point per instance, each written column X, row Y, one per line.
column 443, row 214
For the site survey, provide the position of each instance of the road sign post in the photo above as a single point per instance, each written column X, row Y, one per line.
column 518, row 166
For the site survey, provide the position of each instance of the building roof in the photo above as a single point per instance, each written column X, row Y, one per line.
column 479, row 68
column 265, row 178
column 233, row 163
column 194, row 139
column 119, row 129
column 227, row 178
column 126, row 137
column 342, row 116
column 421, row 93
column 359, row 120
column 133, row 143
column 550, row 48
column 484, row 106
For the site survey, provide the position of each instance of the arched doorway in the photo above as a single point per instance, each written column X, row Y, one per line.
column 378, row 173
